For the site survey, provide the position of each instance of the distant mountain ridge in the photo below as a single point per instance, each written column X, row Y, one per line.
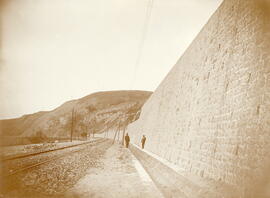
column 94, row 113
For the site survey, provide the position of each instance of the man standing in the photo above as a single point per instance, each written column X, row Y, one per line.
column 143, row 141
column 127, row 139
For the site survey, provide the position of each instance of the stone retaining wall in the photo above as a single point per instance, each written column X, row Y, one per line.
column 211, row 115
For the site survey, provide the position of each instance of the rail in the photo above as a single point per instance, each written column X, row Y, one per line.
column 100, row 140
column 47, row 151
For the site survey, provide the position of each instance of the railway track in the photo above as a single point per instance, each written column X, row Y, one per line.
column 14, row 165
column 47, row 151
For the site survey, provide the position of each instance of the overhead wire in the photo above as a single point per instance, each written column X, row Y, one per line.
column 142, row 41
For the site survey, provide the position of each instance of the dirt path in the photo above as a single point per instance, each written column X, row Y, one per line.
column 120, row 176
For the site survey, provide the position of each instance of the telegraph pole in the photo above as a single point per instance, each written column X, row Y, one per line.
column 123, row 138
column 72, row 118
column 118, row 135
column 124, row 131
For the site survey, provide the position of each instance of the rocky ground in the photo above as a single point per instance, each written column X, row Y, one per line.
column 119, row 175
column 13, row 165
column 102, row 170
column 9, row 151
column 54, row 178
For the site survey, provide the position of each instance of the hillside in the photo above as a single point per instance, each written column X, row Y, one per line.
column 94, row 113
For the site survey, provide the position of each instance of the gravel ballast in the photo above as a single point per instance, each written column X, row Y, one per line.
column 54, row 178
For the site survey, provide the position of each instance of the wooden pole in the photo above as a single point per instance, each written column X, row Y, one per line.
column 117, row 129
column 71, row 131
column 114, row 136
column 123, row 138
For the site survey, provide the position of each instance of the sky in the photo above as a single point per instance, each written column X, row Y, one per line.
column 55, row 51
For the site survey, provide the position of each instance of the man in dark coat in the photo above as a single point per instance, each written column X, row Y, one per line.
column 143, row 141
column 127, row 139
